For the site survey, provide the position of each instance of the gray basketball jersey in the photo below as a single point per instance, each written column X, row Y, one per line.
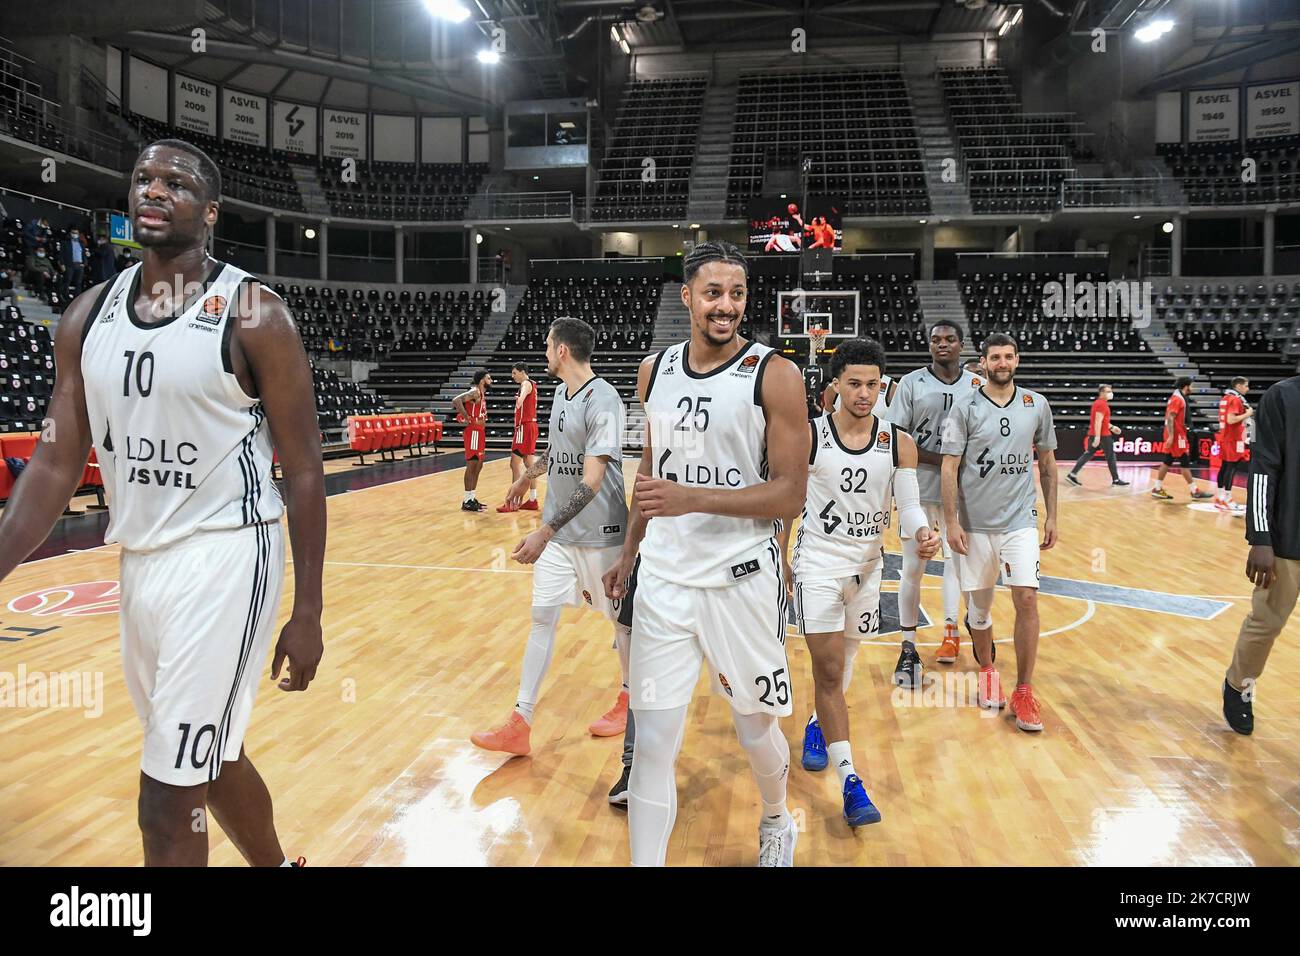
column 996, row 487
column 591, row 422
column 920, row 407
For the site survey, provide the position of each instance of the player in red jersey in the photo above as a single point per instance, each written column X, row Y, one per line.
column 1233, row 449
column 523, row 446
column 1178, row 449
column 471, row 408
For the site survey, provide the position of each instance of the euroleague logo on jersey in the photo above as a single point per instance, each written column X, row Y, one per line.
column 1028, row 400
column 214, row 306
column 747, row 365
column 882, row 440
column 70, row 600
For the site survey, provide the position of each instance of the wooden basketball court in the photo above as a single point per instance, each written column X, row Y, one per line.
column 425, row 622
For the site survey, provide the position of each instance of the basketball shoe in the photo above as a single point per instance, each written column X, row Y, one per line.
column 858, row 808
column 814, row 747
column 1025, row 708
column 776, row 843
column 614, row 721
column 907, row 672
column 510, row 737
column 951, row 645
column 989, row 689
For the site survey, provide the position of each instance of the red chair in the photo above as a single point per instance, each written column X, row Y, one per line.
column 362, row 436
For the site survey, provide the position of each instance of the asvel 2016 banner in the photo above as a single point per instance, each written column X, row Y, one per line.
column 344, row 134
column 194, row 105
column 243, row 117
column 1272, row 109
column 293, row 127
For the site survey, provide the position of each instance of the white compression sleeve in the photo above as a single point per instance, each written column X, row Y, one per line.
column 623, row 643
column 907, row 496
column 652, row 786
column 537, row 658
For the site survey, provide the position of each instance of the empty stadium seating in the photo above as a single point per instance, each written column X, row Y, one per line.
column 404, row 191
column 856, row 126
column 658, row 120
column 1211, row 173
column 1013, row 162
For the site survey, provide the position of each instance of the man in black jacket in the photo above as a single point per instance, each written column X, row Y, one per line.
column 1273, row 531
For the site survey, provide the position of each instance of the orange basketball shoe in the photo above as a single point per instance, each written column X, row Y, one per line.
column 529, row 505
column 614, row 720
column 1025, row 708
column 989, row 689
column 510, row 738
column 951, row 645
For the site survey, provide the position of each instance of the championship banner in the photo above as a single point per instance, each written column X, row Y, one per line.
column 1213, row 115
column 1271, row 110
column 344, row 134
column 194, row 105
column 243, row 118
column 293, row 127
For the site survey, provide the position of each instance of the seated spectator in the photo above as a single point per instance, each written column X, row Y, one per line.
column 40, row 272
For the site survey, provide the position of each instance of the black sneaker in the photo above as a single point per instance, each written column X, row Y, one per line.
column 1073, row 479
column 907, row 672
column 966, row 623
column 1239, row 712
column 472, row 505
column 618, row 793
column 1119, row 483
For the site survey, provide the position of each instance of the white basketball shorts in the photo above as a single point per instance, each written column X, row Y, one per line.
column 567, row 575
column 1013, row 554
column 849, row 604
column 197, row 627
column 738, row 629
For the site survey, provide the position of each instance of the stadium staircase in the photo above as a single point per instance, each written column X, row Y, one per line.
column 1205, row 399
column 484, row 348
column 937, row 143
column 309, row 187
column 941, row 302
column 708, row 189
column 672, row 320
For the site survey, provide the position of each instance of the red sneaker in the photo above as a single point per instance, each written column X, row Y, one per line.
column 301, row 861
column 529, row 505
column 614, row 721
column 510, row 737
column 1025, row 708
column 507, row 508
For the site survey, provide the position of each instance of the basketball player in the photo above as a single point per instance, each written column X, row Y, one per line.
column 584, row 521
column 1233, row 450
column 1101, row 434
column 724, row 460
column 524, row 445
column 858, row 466
column 1178, row 450
column 471, row 407
column 988, row 447
column 924, row 399
column 884, row 398
column 182, row 371
column 1273, row 530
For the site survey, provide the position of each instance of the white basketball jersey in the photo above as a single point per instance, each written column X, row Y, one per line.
column 707, row 431
column 881, row 408
column 849, row 501
column 181, row 447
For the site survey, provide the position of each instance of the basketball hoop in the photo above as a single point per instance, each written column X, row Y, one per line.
column 816, row 340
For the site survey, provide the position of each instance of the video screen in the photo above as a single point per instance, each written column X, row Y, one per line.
column 779, row 225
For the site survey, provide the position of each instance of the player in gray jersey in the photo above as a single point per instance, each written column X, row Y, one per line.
column 989, row 505
column 924, row 400
column 584, row 521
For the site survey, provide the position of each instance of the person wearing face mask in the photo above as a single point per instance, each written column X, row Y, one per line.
column 1101, row 435
column 40, row 272
column 74, row 264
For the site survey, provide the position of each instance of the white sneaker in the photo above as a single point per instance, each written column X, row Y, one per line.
column 776, row 844
column 1238, row 508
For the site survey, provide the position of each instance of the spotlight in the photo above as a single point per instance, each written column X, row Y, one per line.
column 309, row 233
column 489, row 56
column 448, row 10
column 1168, row 227
column 1153, row 30
column 478, row 238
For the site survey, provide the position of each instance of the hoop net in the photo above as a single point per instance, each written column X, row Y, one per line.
column 816, row 340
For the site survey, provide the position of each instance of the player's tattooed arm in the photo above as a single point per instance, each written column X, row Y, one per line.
column 582, row 496
column 538, row 467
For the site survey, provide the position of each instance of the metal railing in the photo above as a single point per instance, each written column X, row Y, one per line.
column 1091, row 193
column 43, row 199
column 488, row 206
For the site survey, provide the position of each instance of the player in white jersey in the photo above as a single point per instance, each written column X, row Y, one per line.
column 724, row 462
column 991, row 515
column 858, row 467
column 584, row 520
column 180, row 371
column 925, row 397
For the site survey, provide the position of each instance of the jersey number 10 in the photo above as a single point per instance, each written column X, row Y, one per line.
column 143, row 379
